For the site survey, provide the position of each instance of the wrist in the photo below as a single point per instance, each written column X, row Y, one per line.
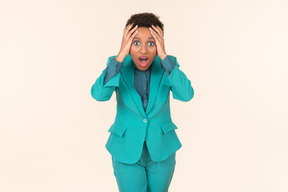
column 162, row 56
column 120, row 57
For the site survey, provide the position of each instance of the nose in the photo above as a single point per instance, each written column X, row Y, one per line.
column 143, row 49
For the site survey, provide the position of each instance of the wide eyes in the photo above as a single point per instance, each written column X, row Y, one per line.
column 150, row 43
column 136, row 43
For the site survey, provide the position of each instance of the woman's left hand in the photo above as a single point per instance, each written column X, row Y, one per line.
column 157, row 33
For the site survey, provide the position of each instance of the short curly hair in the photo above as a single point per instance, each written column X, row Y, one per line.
column 145, row 20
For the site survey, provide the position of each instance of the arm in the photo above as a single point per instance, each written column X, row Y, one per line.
column 167, row 65
column 175, row 78
column 107, row 82
column 112, row 70
column 180, row 85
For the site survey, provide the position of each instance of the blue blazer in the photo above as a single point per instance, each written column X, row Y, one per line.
column 132, row 125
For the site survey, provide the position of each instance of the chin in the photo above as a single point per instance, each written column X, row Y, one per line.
column 143, row 68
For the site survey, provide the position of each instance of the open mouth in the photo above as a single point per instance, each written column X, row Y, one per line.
column 143, row 61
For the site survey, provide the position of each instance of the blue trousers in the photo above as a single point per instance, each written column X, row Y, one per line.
column 145, row 175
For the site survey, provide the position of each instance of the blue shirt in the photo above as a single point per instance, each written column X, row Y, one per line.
column 141, row 78
column 142, row 84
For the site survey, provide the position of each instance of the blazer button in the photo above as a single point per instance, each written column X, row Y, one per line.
column 145, row 120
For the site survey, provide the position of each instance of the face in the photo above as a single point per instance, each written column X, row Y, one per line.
column 143, row 49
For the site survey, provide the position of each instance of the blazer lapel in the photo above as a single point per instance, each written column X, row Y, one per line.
column 128, row 77
column 156, row 75
column 155, row 78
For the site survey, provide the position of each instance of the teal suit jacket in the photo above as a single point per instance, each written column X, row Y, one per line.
column 132, row 125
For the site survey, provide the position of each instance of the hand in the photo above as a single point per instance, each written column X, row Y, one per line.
column 157, row 33
column 126, row 41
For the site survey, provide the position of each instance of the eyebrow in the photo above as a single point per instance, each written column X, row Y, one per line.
column 139, row 38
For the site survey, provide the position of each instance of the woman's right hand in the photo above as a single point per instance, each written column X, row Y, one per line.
column 126, row 42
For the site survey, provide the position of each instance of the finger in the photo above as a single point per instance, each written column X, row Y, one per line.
column 127, row 28
column 157, row 40
column 156, row 29
column 159, row 36
column 132, row 31
column 130, row 25
column 155, row 34
column 129, row 41
column 161, row 31
column 152, row 33
column 133, row 35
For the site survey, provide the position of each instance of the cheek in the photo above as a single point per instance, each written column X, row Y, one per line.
column 132, row 51
column 153, row 50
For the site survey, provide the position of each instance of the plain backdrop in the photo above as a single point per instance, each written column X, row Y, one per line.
column 234, row 131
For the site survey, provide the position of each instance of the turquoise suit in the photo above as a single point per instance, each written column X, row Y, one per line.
column 132, row 125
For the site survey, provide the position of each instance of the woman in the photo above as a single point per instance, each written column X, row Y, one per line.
column 143, row 141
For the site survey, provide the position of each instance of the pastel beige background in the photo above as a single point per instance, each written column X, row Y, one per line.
column 234, row 131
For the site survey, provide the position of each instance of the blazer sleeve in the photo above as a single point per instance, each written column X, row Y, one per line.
column 179, row 84
column 101, row 91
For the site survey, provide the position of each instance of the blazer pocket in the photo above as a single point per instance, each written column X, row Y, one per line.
column 117, row 129
column 168, row 126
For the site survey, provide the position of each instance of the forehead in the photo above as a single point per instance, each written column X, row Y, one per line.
column 143, row 33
